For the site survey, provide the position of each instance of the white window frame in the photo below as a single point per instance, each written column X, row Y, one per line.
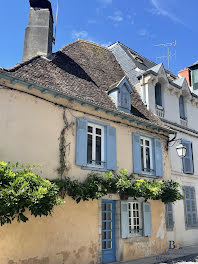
column 94, row 127
column 131, row 217
column 144, row 153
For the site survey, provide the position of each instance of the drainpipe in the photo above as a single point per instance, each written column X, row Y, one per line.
column 143, row 90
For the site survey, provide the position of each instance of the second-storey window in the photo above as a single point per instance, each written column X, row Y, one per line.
column 95, row 145
column 146, row 154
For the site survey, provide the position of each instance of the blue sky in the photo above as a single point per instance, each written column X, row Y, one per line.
column 139, row 24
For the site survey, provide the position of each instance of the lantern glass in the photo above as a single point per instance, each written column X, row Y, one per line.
column 181, row 150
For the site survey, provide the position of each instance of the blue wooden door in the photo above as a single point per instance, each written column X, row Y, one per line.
column 108, row 231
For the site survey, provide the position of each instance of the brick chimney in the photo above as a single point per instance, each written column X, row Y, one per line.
column 39, row 32
column 186, row 73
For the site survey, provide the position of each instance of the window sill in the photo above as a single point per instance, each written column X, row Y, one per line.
column 148, row 175
column 191, row 227
column 136, row 239
column 94, row 168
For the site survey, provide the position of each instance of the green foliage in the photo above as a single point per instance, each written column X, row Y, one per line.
column 21, row 189
column 95, row 186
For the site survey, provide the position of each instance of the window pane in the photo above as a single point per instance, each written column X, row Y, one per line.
column 98, row 131
column 108, row 216
column 109, row 207
column 109, row 244
column 89, row 149
column 158, row 94
column 109, row 233
column 103, row 206
column 104, row 216
column 90, row 129
column 103, row 244
column 104, row 235
column 148, row 162
column 108, row 225
column 142, row 158
column 147, row 143
column 181, row 107
column 98, row 150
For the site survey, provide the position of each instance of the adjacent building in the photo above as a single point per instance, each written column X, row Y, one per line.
column 174, row 100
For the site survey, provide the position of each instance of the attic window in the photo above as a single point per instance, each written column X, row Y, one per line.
column 137, row 58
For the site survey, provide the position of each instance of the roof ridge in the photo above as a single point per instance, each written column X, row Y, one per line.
column 85, row 41
column 21, row 64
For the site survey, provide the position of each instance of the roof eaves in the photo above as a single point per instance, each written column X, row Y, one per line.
column 56, row 94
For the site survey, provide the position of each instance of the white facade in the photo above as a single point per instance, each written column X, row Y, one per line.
column 186, row 129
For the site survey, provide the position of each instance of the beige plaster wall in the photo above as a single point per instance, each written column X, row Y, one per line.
column 30, row 129
column 70, row 236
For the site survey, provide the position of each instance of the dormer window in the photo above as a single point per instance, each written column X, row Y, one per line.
column 182, row 108
column 158, row 95
column 124, row 98
column 120, row 95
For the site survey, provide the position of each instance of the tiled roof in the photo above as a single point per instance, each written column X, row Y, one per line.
column 85, row 70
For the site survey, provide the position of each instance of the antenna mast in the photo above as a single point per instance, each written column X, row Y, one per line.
column 56, row 21
column 167, row 45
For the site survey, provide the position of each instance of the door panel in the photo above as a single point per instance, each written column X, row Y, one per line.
column 108, row 231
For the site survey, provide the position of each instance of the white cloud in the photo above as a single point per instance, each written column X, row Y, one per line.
column 105, row 44
column 159, row 10
column 143, row 32
column 79, row 34
column 85, row 35
column 116, row 17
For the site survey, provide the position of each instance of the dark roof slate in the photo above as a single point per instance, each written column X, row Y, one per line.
column 85, row 70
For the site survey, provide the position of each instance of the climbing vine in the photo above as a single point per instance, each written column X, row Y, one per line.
column 22, row 189
column 63, row 145
column 95, row 186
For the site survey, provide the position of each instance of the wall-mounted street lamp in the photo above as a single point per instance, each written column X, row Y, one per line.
column 181, row 150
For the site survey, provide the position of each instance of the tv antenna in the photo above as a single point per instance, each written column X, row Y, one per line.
column 56, row 21
column 167, row 45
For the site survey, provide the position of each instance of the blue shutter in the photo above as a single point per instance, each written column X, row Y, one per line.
column 147, row 219
column 169, row 216
column 81, row 142
column 111, row 148
column 124, row 220
column 136, row 153
column 158, row 158
column 188, row 166
column 190, row 206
